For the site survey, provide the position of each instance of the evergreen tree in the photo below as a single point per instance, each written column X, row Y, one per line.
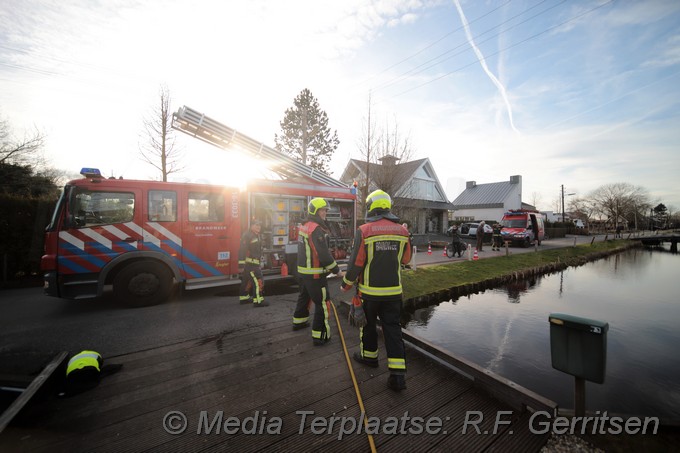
column 305, row 134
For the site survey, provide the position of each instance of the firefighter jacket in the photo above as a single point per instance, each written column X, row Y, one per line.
column 381, row 246
column 250, row 251
column 314, row 257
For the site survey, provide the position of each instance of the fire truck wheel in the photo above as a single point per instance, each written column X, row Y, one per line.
column 142, row 283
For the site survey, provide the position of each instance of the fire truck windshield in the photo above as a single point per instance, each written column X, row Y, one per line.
column 514, row 223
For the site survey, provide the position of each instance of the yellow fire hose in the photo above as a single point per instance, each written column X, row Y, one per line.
column 354, row 381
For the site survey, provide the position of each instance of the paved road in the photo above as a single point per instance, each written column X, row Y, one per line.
column 422, row 258
column 33, row 322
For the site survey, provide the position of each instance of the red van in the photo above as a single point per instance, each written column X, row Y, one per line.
column 523, row 227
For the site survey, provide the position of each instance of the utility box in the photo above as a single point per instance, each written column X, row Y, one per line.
column 578, row 346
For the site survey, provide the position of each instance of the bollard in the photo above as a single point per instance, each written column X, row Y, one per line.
column 574, row 241
column 536, row 246
column 413, row 258
column 469, row 252
column 507, row 250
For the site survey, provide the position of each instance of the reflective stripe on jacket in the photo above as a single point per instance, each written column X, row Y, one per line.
column 250, row 250
column 380, row 248
column 314, row 258
column 82, row 360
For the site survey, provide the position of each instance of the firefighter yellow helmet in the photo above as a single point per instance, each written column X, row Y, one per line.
column 378, row 199
column 316, row 204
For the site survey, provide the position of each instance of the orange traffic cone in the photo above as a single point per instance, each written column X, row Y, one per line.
column 284, row 270
column 475, row 257
column 429, row 249
column 444, row 251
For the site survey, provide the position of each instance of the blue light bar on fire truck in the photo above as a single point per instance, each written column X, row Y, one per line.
column 91, row 172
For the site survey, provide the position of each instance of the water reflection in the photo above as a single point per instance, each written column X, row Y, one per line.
column 506, row 330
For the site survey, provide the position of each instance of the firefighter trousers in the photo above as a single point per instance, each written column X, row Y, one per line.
column 314, row 290
column 252, row 286
column 389, row 312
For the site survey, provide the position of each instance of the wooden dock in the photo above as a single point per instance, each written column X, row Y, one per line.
column 269, row 371
column 658, row 239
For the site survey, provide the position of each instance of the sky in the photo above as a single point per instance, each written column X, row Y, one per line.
column 574, row 94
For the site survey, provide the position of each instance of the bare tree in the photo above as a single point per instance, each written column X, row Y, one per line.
column 618, row 201
column 159, row 149
column 535, row 199
column 382, row 150
column 368, row 145
column 582, row 208
column 394, row 148
column 20, row 151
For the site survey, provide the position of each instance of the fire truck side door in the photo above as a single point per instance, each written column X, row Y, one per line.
column 211, row 233
column 97, row 228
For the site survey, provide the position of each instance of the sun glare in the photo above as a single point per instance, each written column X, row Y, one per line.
column 224, row 167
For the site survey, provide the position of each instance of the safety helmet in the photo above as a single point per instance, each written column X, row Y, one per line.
column 83, row 371
column 378, row 199
column 85, row 360
column 315, row 204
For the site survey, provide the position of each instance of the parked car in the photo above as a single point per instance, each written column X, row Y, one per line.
column 469, row 229
column 579, row 223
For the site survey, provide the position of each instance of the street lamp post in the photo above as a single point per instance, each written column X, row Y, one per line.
column 563, row 195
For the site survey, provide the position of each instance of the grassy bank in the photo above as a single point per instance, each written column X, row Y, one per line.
column 457, row 278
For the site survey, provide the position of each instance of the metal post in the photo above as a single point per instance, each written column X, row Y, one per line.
column 562, row 186
column 413, row 259
column 579, row 397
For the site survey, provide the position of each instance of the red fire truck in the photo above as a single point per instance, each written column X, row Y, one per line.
column 142, row 238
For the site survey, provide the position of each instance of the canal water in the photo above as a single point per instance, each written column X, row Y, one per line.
column 506, row 330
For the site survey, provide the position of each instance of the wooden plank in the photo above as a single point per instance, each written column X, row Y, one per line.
column 31, row 390
column 264, row 368
column 510, row 391
column 518, row 437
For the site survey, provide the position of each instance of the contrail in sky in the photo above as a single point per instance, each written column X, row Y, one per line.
column 482, row 61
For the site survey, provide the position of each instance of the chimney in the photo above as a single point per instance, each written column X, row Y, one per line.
column 517, row 179
column 470, row 184
column 389, row 160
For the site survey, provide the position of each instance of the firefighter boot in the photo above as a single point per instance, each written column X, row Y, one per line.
column 301, row 325
column 396, row 382
column 370, row 362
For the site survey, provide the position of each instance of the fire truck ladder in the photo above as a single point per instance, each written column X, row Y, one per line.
column 207, row 129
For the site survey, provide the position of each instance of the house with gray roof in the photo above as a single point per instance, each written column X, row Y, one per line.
column 418, row 197
column 489, row 201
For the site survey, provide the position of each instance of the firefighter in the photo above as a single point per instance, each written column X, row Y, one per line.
column 249, row 254
column 381, row 246
column 497, row 241
column 314, row 264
